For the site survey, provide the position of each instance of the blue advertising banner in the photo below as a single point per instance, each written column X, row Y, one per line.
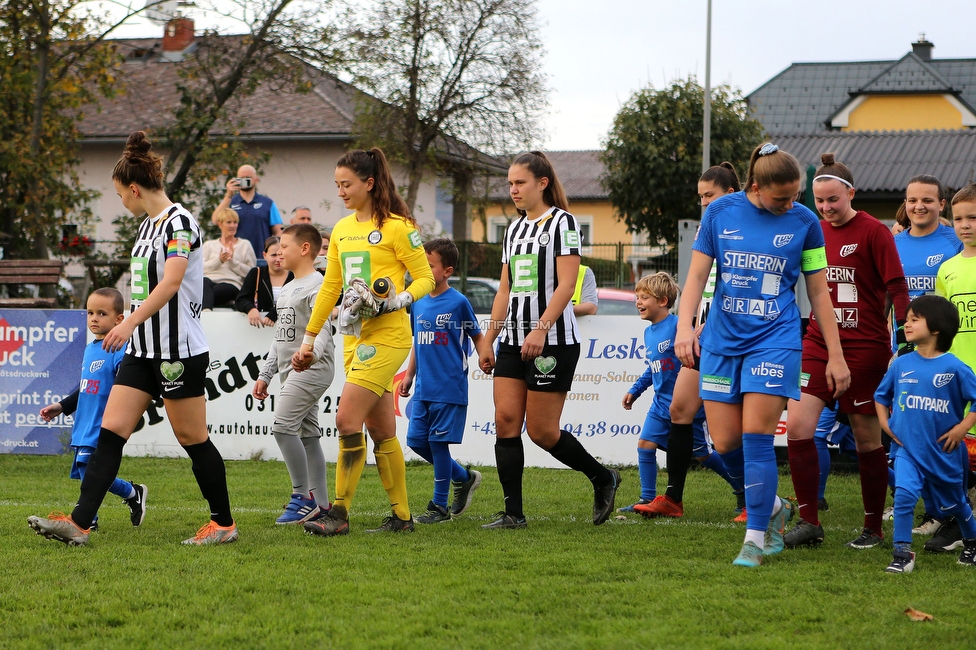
column 41, row 352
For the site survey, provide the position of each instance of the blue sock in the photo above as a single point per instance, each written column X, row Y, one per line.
column 761, row 477
column 122, row 488
column 459, row 474
column 422, row 450
column 823, row 455
column 443, row 469
column 647, row 469
column 904, row 511
column 714, row 462
column 734, row 467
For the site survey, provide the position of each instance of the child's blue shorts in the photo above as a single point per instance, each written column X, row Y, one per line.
column 436, row 422
column 657, row 428
column 80, row 463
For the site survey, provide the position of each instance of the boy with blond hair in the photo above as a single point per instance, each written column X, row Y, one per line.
column 656, row 295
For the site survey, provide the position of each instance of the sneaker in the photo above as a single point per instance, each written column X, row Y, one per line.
column 630, row 508
column 463, row 492
column 393, row 524
column 901, row 563
column 822, row 505
column 298, row 510
column 505, row 520
column 750, row 556
column 661, row 506
column 94, row 527
column 888, row 514
column 777, row 526
column 928, row 525
column 435, row 514
column 60, row 527
column 740, row 501
column 948, row 539
column 804, row 534
column 603, row 498
column 211, row 533
column 867, row 539
column 327, row 525
column 137, row 504
column 741, row 518
column 968, row 555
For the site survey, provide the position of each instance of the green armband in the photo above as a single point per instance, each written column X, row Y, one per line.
column 814, row 259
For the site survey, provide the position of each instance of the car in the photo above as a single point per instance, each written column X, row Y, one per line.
column 480, row 292
column 615, row 302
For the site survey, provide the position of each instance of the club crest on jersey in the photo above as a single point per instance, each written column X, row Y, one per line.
column 663, row 346
column 156, row 243
column 782, row 240
column 933, row 260
column 375, row 237
column 96, row 365
column 257, row 206
column 544, row 239
column 847, row 249
column 443, row 319
column 942, row 379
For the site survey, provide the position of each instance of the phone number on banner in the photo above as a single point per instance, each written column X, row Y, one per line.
column 582, row 430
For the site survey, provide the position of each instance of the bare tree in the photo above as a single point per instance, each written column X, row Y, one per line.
column 447, row 73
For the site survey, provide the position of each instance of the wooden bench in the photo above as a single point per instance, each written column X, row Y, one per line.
column 37, row 272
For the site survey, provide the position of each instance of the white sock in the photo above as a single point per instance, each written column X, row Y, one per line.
column 132, row 492
column 777, row 507
column 757, row 537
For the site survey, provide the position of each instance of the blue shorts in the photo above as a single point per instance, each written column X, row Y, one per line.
column 657, row 428
column 946, row 498
column 80, row 463
column 436, row 422
column 834, row 432
column 771, row 372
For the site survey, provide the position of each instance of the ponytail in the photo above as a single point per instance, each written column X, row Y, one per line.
column 723, row 176
column 540, row 167
column 139, row 164
column 769, row 165
column 384, row 196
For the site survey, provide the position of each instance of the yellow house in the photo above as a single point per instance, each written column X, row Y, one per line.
column 886, row 120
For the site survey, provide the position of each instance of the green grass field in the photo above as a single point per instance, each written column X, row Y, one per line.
column 561, row 583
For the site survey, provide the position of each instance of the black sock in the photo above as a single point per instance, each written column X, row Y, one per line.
column 680, row 443
column 510, row 460
column 970, row 480
column 208, row 468
column 572, row 454
column 103, row 467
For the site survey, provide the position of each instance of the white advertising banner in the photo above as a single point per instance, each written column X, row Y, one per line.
column 611, row 360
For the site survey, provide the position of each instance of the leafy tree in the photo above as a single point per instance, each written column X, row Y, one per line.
column 446, row 72
column 53, row 62
column 654, row 151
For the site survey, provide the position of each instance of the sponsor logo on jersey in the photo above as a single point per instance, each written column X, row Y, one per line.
column 443, row 319
column 545, row 365
column 754, row 261
column 921, row 403
column 782, row 240
column 934, row 260
column 731, row 234
column 942, row 379
column 415, row 239
column 571, row 239
column 847, row 249
column 96, row 365
column 726, row 277
column 767, row 369
column 920, row 283
column 663, row 346
column 716, row 384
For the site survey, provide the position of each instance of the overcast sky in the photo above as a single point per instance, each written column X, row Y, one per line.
column 599, row 52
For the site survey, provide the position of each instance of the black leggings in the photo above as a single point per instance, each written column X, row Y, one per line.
column 220, row 293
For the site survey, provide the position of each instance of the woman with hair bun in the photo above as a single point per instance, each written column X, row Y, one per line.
column 539, row 343
column 863, row 274
column 686, row 439
column 167, row 353
column 378, row 242
column 761, row 242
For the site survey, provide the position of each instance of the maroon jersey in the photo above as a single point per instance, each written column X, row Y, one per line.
column 863, row 268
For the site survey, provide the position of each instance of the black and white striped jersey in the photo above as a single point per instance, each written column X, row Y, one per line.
column 530, row 250
column 174, row 332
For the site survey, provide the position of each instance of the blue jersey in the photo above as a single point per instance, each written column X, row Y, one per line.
column 256, row 219
column 662, row 366
column 921, row 257
column 97, row 378
column 442, row 327
column 758, row 257
column 927, row 398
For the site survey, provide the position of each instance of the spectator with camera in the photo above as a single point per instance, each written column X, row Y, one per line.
column 258, row 214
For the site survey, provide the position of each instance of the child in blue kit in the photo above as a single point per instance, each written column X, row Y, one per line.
column 442, row 323
column 105, row 311
column 656, row 295
column 928, row 392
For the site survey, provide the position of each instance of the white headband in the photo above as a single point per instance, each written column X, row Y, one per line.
column 836, row 178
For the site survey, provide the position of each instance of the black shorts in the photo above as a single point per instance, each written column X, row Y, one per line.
column 552, row 371
column 166, row 378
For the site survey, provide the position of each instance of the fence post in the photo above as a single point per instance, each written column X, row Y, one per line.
column 620, row 265
column 463, row 250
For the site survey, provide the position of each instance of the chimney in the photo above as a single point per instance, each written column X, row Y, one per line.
column 177, row 35
column 923, row 48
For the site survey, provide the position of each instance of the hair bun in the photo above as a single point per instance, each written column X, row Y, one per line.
column 827, row 159
column 137, row 144
column 725, row 164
